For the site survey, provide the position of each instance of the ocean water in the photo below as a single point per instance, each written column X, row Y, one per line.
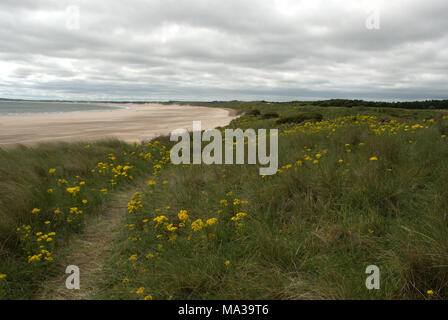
column 26, row 107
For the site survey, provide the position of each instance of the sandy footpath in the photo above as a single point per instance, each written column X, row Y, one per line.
column 138, row 122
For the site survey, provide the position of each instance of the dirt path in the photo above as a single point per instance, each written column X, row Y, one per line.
column 88, row 251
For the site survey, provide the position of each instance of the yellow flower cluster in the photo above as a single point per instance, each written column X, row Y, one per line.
column 170, row 227
column 182, row 215
column 35, row 244
column 44, row 255
column 238, row 216
column 73, row 191
column 102, row 168
column 121, row 171
column 160, row 219
column 136, row 203
column 76, row 211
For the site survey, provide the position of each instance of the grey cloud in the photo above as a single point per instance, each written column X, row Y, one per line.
column 207, row 50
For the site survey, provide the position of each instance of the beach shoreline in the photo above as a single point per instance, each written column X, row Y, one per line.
column 131, row 123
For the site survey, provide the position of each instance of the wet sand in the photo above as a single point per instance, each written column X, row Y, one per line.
column 140, row 122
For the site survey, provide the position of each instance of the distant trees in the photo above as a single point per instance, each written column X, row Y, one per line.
column 427, row 104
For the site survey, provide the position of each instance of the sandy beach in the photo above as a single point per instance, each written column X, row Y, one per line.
column 136, row 123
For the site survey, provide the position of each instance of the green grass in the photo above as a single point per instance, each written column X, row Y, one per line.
column 310, row 230
column 26, row 184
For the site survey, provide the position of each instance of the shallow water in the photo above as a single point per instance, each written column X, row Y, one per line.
column 26, row 107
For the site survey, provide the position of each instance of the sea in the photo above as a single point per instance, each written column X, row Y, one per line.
column 28, row 107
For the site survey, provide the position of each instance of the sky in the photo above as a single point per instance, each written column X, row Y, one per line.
column 205, row 50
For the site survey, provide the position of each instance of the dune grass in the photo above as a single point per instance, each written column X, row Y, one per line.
column 363, row 186
column 355, row 189
column 48, row 193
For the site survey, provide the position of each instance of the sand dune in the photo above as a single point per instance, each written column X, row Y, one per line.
column 138, row 122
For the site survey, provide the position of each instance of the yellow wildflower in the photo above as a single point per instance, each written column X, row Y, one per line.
column 160, row 219
column 197, row 225
column 211, row 221
column 73, row 190
column 182, row 215
column 239, row 216
column 171, row 228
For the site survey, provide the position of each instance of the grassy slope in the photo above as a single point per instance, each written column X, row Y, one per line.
column 26, row 184
column 310, row 231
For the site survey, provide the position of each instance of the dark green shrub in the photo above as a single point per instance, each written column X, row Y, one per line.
column 311, row 116
column 254, row 112
column 269, row 115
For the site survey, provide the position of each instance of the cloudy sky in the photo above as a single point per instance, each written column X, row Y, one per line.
column 224, row 49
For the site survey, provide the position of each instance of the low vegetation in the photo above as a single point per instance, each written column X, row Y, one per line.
column 270, row 115
column 300, row 118
column 358, row 186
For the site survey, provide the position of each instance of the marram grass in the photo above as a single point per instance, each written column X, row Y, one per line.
column 361, row 187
